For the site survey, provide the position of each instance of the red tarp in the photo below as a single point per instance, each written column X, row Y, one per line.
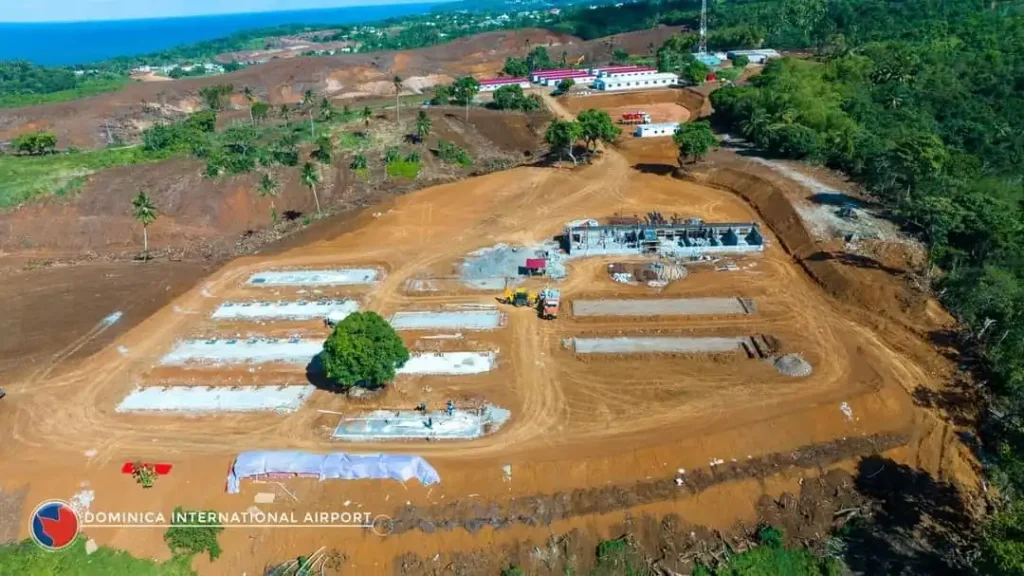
column 161, row 469
column 536, row 263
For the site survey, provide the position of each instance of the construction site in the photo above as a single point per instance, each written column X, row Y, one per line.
column 561, row 354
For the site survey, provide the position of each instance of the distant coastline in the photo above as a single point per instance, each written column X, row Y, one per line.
column 69, row 43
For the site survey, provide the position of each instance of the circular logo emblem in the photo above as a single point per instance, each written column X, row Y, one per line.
column 54, row 525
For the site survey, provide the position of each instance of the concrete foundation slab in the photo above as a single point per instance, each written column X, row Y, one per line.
column 410, row 424
column 469, row 320
column 453, row 363
column 338, row 277
column 662, row 307
column 285, row 310
column 641, row 345
column 232, row 351
column 201, row 399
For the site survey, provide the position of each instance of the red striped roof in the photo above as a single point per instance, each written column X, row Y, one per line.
column 565, row 75
column 503, row 80
column 555, row 71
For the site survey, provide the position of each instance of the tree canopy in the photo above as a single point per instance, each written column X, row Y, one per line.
column 597, row 125
column 562, row 135
column 363, row 349
column 694, row 140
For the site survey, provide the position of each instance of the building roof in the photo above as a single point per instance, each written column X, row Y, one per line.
column 536, row 263
column 554, row 71
column 486, row 81
column 658, row 125
column 565, row 74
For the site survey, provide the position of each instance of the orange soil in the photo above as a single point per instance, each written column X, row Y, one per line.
column 575, row 422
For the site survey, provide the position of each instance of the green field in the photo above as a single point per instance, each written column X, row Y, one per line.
column 24, row 178
column 86, row 89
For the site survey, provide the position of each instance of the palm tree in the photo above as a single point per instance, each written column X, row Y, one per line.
column 397, row 81
column 145, row 212
column 367, row 113
column 310, row 178
column 423, row 125
column 284, row 111
column 307, row 97
column 268, row 189
column 247, row 92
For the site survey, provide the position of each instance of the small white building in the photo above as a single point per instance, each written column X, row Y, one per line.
column 646, row 82
column 654, row 130
column 492, row 84
column 756, row 56
column 639, row 71
column 576, row 78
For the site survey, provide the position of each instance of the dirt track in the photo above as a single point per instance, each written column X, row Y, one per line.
column 576, row 423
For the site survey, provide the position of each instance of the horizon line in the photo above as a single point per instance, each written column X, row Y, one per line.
column 367, row 4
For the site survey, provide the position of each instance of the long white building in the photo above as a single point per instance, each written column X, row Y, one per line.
column 646, row 82
column 659, row 129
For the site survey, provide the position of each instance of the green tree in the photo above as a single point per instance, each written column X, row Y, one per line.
column 423, row 126
column 215, row 96
column 694, row 140
column 310, row 177
column 35, row 143
column 1002, row 542
column 538, row 59
column 562, row 135
column 259, row 111
column 326, row 110
column 516, row 68
column 620, row 56
column 358, row 162
column 367, row 114
column 696, row 72
column 144, row 211
column 268, row 189
column 464, row 90
column 740, row 61
column 324, row 150
column 565, row 85
column 307, row 98
column 397, row 82
column 509, row 97
column 363, row 350
column 597, row 125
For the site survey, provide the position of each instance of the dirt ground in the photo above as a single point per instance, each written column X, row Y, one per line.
column 82, row 123
column 591, row 443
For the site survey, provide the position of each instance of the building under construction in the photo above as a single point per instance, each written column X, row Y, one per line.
column 657, row 235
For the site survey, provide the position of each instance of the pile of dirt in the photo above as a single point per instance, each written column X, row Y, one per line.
column 793, row 365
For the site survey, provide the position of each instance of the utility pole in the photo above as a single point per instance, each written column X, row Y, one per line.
column 702, row 47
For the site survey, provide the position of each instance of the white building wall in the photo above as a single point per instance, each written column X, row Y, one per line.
column 493, row 87
column 555, row 81
column 654, row 130
column 637, row 82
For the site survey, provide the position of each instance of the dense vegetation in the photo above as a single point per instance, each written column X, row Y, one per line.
column 25, row 84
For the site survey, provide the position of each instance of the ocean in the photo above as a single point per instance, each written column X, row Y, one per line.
column 68, row 43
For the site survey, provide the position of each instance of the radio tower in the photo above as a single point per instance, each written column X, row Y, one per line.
column 702, row 47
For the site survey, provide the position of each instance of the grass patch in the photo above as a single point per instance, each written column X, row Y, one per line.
column 23, row 178
column 403, row 169
column 27, row 558
column 363, row 173
column 353, row 141
column 730, row 74
column 91, row 87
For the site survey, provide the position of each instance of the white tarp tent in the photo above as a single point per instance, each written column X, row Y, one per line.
column 401, row 467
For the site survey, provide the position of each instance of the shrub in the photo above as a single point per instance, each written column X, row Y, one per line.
column 452, row 154
column 198, row 535
column 794, row 141
column 363, row 349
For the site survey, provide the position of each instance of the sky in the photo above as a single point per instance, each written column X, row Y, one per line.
column 82, row 10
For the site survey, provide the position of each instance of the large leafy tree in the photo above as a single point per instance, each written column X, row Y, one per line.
column 35, row 143
column 515, row 67
column 562, row 135
column 597, row 125
column 144, row 211
column 694, row 140
column 363, row 349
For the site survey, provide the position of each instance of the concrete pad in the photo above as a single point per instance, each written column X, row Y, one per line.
column 454, row 363
column 410, row 424
column 216, row 399
column 232, row 351
column 285, row 310
column 639, row 345
column 660, row 307
column 468, row 320
column 337, row 277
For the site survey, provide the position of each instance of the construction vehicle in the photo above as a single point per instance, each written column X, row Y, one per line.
column 548, row 303
column 635, row 117
column 519, row 297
